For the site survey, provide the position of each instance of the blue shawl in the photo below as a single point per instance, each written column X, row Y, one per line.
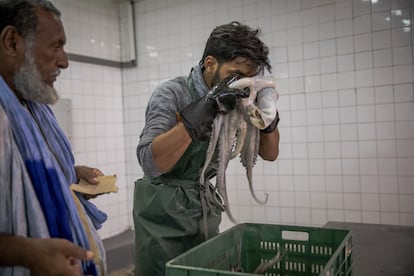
column 49, row 162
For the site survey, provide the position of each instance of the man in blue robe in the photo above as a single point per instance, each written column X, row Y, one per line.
column 45, row 228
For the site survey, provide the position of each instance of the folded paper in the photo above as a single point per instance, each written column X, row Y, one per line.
column 107, row 184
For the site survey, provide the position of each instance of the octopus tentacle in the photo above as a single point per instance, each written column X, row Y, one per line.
column 240, row 134
column 215, row 134
column 237, row 133
column 248, row 158
column 224, row 148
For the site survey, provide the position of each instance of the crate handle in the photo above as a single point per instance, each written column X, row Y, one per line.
column 295, row 235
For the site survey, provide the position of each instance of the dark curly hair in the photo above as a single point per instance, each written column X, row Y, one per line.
column 21, row 14
column 230, row 41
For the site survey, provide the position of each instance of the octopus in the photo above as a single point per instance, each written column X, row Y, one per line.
column 238, row 133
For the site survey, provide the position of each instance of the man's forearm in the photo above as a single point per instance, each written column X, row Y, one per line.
column 269, row 145
column 13, row 250
column 168, row 147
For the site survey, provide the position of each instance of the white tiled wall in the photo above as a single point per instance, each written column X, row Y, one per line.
column 344, row 71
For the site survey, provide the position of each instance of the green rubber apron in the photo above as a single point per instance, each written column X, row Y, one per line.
column 173, row 212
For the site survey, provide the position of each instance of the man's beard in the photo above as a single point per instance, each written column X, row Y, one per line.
column 215, row 79
column 30, row 86
column 216, row 76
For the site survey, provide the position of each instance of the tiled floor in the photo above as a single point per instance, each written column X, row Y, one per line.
column 130, row 271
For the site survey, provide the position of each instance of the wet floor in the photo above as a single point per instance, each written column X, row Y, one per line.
column 129, row 271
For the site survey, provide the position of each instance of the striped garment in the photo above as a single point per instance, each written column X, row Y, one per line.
column 36, row 169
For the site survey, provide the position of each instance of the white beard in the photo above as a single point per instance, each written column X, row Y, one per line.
column 30, row 86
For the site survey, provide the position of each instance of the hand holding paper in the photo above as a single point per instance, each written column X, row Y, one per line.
column 107, row 184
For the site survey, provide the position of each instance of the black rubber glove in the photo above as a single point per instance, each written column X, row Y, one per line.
column 198, row 116
column 270, row 128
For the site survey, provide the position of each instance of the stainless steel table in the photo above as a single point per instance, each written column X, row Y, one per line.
column 380, row 250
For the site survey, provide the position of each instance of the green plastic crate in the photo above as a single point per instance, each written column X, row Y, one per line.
column 305, row 251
